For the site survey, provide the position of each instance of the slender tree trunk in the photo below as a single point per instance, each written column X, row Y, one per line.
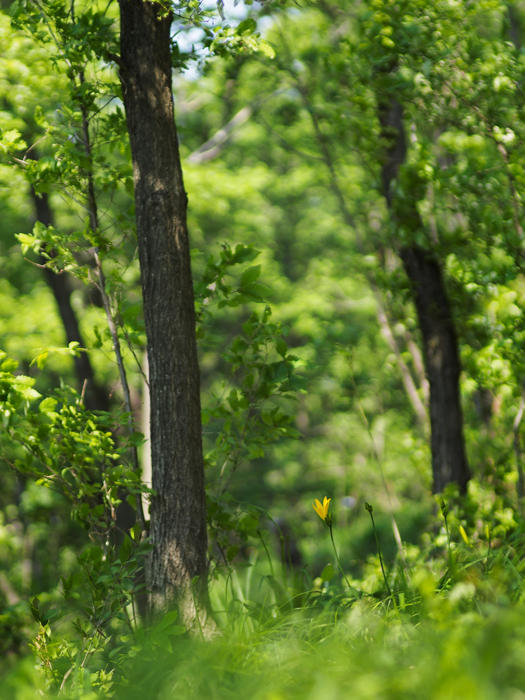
column 419, row 366
column 95, row 398
column 178, row 569
column 408, row 382
column 440, row 346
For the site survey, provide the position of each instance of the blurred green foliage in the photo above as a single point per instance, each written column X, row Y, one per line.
column 302, row 390
column 440, row 636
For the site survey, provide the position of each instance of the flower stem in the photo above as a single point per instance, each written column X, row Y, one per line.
column 451, row 563
column 338, row 560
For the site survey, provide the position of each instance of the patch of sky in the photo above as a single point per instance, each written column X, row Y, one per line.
column 189, row 37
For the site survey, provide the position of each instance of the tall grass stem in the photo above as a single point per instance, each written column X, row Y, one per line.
column 369, row 509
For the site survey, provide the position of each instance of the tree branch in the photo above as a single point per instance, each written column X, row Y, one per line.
column 418, row 406
column 93, row 220
column 213, row 147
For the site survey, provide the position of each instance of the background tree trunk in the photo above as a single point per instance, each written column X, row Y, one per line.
column 95, row 397
column 178, row 567
column 440, row 346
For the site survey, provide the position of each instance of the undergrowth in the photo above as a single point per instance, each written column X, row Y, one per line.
column 445, row 623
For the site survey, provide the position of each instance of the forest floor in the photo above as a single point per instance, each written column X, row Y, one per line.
column 452, row 627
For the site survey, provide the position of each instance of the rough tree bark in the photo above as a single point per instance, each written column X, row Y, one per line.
column 178, row 569
column 95, row 398
column 440, row 346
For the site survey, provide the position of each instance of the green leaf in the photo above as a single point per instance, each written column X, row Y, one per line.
column 98, row 342
column 48, row 406
column 231, row 552
column 167, row 625
column 281, row 347
column 250, row 275
column 137, row 439
column 40, row 360
column 247, row 26
column 9, row 365
column 244, row 253
column 126, row 548
column 266, row 48
column 34, row 609
column 327, row 573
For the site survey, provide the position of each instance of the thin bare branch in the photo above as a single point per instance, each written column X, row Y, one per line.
column 417, row 359
column 93, row 220
column 213, row 147
column 517, row 447
column 408, row 382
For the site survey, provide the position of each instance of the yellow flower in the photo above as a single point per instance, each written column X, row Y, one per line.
column 322, row 510
column 464, row 534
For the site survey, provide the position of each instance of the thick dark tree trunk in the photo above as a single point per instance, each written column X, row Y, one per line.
column 440, row 350
column 95, row 398
column 178, row 568
column 440, row 346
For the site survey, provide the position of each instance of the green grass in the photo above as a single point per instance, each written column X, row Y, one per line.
column 441, row 636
